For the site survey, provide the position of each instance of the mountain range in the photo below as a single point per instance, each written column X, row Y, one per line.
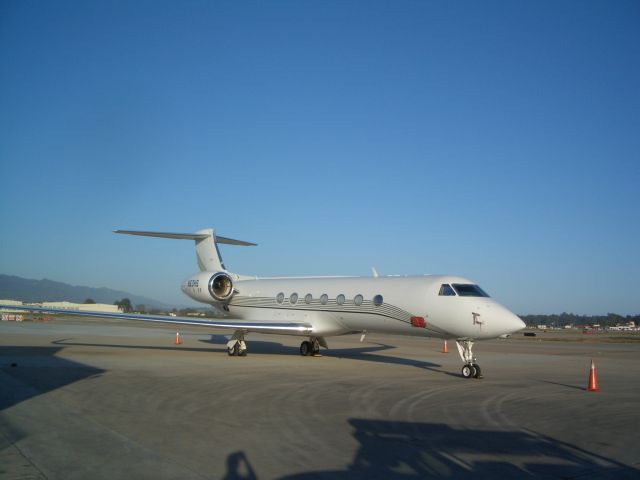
column 31, row 290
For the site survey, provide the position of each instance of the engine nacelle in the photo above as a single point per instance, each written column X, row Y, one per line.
column 221, row 286
column 207, row 288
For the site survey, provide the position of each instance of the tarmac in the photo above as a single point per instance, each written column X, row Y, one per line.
column 86, row 398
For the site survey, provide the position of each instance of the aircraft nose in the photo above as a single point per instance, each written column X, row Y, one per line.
column 515, row 323
column 507, row 321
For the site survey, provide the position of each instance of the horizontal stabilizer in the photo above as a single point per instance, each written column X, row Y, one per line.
column 186, row 236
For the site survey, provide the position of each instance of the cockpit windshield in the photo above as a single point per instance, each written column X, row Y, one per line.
column 446, row 291
column 468, row 290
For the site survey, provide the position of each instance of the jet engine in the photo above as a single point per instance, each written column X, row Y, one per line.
column 212, row 288
column 221, row 286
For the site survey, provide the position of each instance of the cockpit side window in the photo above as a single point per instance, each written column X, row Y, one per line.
column 446, row 291
column 468, row 290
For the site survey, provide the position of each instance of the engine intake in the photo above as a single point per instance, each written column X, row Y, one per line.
column 221, row 286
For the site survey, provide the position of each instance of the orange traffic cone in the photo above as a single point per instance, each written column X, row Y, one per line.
column 178, row 341
column 593, row 383
column 445, row 349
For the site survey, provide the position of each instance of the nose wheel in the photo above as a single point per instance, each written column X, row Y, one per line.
column 470, row 369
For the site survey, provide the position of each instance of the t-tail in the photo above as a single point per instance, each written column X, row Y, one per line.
column 207, row 252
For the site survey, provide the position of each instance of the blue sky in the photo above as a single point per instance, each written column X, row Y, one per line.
column 495, row 140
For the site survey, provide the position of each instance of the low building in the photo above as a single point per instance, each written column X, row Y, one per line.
column 10, row 302
column 78, row 307
column 87, row 307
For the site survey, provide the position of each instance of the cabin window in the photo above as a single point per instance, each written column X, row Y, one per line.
column 307, row 299
column 446, row 291
column 293, row 299
column 340, row 299
column 378, row 300
column 468, row 290
column 358, row 300
column 324, row 299
column 280, row 297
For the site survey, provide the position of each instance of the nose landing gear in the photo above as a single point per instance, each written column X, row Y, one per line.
column 470, row 369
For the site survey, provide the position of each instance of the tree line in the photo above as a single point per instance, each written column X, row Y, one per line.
column 608, row 320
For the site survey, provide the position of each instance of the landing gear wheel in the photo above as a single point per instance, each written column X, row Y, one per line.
column 306, row 348
column 235, row 351
column 470, row 368
column 316, row 350
column 236, row 346
column 468, row 371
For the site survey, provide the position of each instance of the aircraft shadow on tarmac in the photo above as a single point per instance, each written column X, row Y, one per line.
column 31, row 371
column 364, row 353
column 68, row 342
column 401, row 450
column 261, row 347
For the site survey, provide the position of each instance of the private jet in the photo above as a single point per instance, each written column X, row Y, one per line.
column 442, row 306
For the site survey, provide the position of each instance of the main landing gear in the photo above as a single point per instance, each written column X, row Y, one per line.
column 236, row 347
column 311, row 347
column 470, row 369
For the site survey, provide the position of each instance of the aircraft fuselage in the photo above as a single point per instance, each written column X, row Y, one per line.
column 411, row 305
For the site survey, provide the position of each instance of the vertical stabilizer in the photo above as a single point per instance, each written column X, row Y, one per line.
column 207, row 253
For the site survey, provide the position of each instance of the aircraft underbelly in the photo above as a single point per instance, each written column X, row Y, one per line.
column 333, row 323
column 323, row 323
column 377, row 324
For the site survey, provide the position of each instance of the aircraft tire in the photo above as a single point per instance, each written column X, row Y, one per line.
column 305, row 348
column 478, row 372
column 468, row 371
column 235, row 350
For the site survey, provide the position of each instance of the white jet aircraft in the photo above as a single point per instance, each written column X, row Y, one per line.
column 441, row 306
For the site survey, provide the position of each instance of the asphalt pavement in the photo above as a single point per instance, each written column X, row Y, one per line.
column 82, row 398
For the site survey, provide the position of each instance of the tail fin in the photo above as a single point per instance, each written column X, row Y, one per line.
column 207, row 252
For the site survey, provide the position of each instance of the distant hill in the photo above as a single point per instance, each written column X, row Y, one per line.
column 30, row 290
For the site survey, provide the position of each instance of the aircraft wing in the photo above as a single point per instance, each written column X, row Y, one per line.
column 244, row 326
